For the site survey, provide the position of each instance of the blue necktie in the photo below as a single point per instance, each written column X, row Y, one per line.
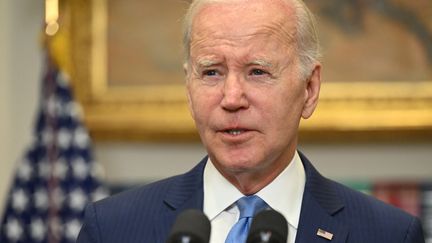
column 248, row 206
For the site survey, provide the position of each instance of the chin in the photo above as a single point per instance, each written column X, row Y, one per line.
column 238, row 163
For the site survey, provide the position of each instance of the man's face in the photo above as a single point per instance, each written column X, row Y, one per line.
column 244, row 87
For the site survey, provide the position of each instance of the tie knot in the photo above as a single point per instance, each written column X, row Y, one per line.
column 250, row 205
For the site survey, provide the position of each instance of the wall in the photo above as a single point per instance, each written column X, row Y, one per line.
column 5, row 111
column 21, row 62
column 20, row 67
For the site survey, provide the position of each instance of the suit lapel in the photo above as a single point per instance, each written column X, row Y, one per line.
column 186, row 192
column 320, row 205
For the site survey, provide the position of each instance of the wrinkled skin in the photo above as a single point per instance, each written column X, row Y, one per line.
column 244, row 89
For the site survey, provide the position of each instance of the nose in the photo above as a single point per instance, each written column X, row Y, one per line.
column 234, row 95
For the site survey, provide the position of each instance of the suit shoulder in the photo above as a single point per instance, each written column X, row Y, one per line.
column 355, row 205
column 150, row 199
column 139, row 213
column 365, row 213
column 109, row 219
column 366, row 218
column 135, row 197
column 355, row 200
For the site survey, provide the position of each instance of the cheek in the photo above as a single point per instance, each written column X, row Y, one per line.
column 283, row 109
column 201, row 105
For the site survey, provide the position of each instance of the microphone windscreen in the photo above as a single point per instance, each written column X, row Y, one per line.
column 190, row 226
column 268, row 226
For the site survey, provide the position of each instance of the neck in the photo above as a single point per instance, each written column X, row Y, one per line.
column 253, row 180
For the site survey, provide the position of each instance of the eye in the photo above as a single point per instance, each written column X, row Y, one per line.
column 211, row 72
column 257, row 72
column 210, row 76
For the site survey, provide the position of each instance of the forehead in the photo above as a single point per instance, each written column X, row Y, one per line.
column 240, row 18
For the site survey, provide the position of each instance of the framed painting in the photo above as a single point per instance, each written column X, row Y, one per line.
column 377, row 77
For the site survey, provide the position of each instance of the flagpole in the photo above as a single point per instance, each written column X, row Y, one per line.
column 52, row 153
column 51, row 28
column 51, row 17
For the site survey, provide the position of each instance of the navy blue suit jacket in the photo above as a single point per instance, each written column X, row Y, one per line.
column 147, row 214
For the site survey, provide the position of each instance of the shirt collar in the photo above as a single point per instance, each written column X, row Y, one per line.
column 284, row 194
column 219, row 193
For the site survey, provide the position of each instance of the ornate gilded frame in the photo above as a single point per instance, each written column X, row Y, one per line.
column 375, row 110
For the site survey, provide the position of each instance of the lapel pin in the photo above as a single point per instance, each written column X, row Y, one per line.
column 324, row 234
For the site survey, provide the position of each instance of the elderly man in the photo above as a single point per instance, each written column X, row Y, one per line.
column 252, row 73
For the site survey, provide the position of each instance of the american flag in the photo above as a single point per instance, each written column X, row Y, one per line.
column 325, row 234
column 57, row 177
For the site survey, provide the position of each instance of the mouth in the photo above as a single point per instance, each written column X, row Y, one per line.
column 235, row 132
column 236, row 135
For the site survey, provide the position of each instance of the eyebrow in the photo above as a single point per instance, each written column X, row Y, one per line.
column 209, row 63
column 206, row 63
column 261, row 63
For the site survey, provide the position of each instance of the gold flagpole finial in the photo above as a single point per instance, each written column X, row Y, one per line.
column 51, row 17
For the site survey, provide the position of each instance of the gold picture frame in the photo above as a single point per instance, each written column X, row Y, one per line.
column 348, row 111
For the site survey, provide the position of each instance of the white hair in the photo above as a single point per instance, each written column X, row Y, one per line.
column 308, row 47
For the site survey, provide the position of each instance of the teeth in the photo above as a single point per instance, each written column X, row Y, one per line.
column 235, row 132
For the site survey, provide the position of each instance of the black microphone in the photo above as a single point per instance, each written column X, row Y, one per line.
column 268, row 226
column 191, row 226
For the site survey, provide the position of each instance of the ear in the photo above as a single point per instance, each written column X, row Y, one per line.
column 188, row 89
column 312, row 92
column 185, row 69
column 191, row 111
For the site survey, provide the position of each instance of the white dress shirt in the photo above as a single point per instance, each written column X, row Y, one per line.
column 284, row 194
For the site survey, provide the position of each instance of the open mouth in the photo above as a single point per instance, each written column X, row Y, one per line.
column 234, row 132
